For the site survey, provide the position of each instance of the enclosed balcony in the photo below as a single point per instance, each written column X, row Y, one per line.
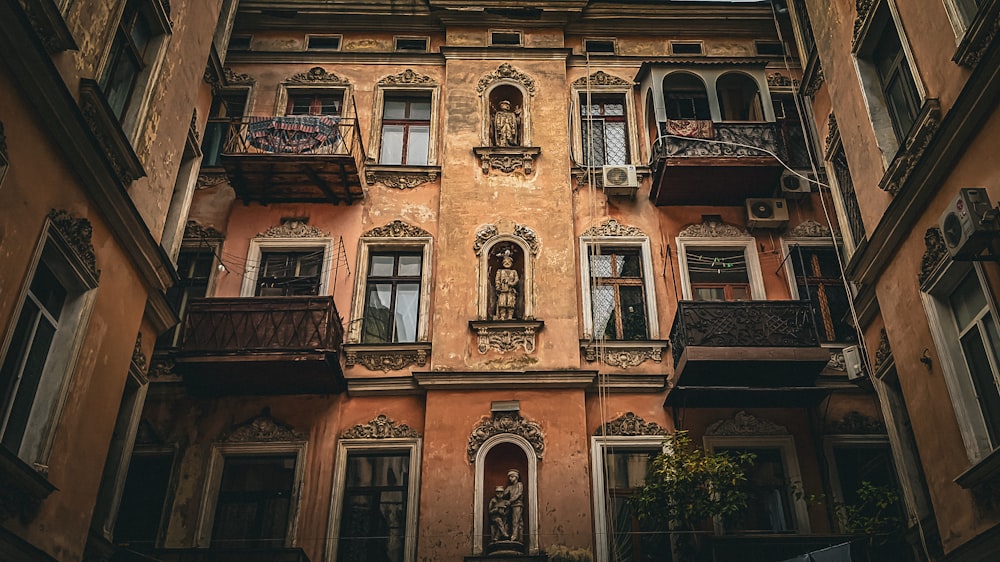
column 261, row 345
column 295, row 158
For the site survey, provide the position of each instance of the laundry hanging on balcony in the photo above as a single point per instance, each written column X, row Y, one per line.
column 294, row 134
column 692, row 128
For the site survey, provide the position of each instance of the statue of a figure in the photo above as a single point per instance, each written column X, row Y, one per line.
column 505, row 282
column 515, row 504
column 505, row 126
column 498, row 516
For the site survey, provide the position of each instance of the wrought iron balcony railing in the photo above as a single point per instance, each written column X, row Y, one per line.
column 731, row 140
column 302, row 135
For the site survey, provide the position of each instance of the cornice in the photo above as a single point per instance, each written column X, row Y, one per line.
column 334, row 58
column 477, row 380
column 383, row 386
column 505, row 53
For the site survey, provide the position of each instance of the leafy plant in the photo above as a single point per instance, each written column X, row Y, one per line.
column 875, row 513
column 562, row 553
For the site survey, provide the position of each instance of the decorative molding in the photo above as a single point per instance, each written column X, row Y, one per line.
column 712, row 229
column 864, row 12
column 627, row 425
column 194, row 125
column 506, row 336
column 837, row 361
column 77, row 233
column 612, row 227
column 407, row 77
column 884, row 352
column 934, row 254
column 506, row 422
column 386, row 357
column 506, row 72
column 856, row 423
column 624, row 354
column 979, row 35
column 779, row 80
column 921, row 133
column 401, row 178
column 601, row 78
column 197, row 231
column 48, row 24
column 22, row 488
column 810, row 229
column 397, row 229
column 138, row 357
column 832, row 134
column 262, row 428
column 206, row 180
column 381, row 427
column 528, row 235
column 163, row 369
column 815, row 81
column 293, row 228
column 108, row 131
column 317, row 75
column 507, row 159
column 237, row 78
column 490, row 231
column 745, row 424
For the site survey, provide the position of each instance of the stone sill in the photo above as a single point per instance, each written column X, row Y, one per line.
column 983, row 472
column 22, row 488
column 108, row 132
column 401, row 177
column 625, row 354
column 979, row 35
column 921, row 134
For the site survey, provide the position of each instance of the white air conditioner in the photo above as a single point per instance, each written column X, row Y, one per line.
column 855, row 368
column 794, row 186
column 767, row 213
column 969, row 223
column 619, row 180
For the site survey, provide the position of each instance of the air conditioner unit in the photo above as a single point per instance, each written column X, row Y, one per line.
column 767, row 213
column 794, row 186
column 969, row 223
column 855, row 368
column 619, row 180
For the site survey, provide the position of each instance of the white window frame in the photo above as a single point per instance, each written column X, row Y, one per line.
column 370, row 245
column 291, row 89
column 831, row 442
column 259, row 245
column 749, row 246
column 786, row 444
column 631, row 125
column 213, row 482
column 426, row 39
column 958, row 23
column 641, row 242
column 489, row 37
column 612, row 40
column 378, row 108
column 412, row 446
column 958, row 380
column 598, row 449
column 309, row 36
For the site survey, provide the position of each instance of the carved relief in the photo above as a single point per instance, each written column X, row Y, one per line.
column 489, row 231
column 260, row 429
column 815, row 80
column 387, row 359
column 624, row 354
column 864, row 9
column 884, row 351
column 162, row 368
column 237, row 78
column 979, row 35
column 110, row 137
column 837, row 361
column 629, row 424
column 506, row 422
column 317, row 75
column 195, row 230
column 713, row 229
column 856, row 423
column 612, row 227
column 77, row 233
column 293, row 228
column 506, row 72
column 810, row 229
column 832, row 133
column 920, row 137
column 506, row 337
column 601, row 78
column 745, row 424
column 138, row 357
column 400, row 179
column 934, row 254
column 507, row 159
column 210, row 180
column 779, row 80
column 397, row 229
column 407, row 76
column 380, row 428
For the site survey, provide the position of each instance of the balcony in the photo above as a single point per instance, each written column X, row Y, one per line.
column 261, row 345
column 224, row 555
column 776, row 547
column 706, row 163
column 296, row 158
column 767, row 349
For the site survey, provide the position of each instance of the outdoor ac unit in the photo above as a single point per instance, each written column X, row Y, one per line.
column 794, row 186
column 767, row 213
column 852, row 361
column 619, row 180
column 968, row 223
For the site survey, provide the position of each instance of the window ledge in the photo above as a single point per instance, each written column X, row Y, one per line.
column 507, row 159
column 919, row 138
column 388, row 356
column 49, row 25
column 108, row 131
column 985, row 473
column 624, row 354
column 504, row 336
column 401, row 177
column 979, row 35
column 22, row 489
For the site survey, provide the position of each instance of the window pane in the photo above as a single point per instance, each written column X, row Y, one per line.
column 254, row 501
column 376, row 318
column 768, row 505
column 630, row 265
column 593, row 149
column 145, row 492
column 417, row 142
column 31, row 376
column 394, row 109
column 717, row 266
column 967, row 300
column 47, row 289
column 120, row 79
column 983, row 380
column 633, row 313
column 373, row 519
column 19, row 347
column 709, row 293
column 409, row 266
column 407, row 305
column 627, row 470
column 616, row 149
column 420, row 110
column 381, row 266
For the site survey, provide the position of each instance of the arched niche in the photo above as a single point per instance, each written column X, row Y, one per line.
column 492, row 240
column 506, row 82
column 491, row 462
column 685, row 96
column 510, row 94
column 739, row 97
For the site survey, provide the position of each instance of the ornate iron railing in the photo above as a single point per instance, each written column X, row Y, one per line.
column 295, row 135
column 742, row 324
column 261, row 324
column 732, row 140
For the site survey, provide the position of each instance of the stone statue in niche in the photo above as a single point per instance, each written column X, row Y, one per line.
column 513, row 494
column 506, row 510
column 505, row 283
column 506, row 125
column 498, row 516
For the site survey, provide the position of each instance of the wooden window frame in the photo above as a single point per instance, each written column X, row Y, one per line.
column 394, row 280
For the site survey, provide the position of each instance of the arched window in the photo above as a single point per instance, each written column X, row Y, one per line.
column 685, row 97
column 739, row 98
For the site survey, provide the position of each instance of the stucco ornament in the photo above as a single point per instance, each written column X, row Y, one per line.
column 837, row 361
column 400, row 179
column 262, row 428
column 293, row 228
column 629, row 424
column 506, row 422
column 745, row 424
column 407, row 76
column 490, row 231
column 77, row 232
column 138, row 357
column 884, row 351
column 934, row 253
column 504, row 338
column 237, row 78
column 920, row 136
column 397, row 229
column 601, row 78
column 506, row 72
column 815, row 81
column 206, row 180
column 612, row 227
column 713, row 229
column 625, row 358
column 316, row 75
column 810, row 229
column 381, row 427
column 779, row 80
column 856, row 423
column 832, row 133
column 864, row 9
column 385, row 359
column 193, row 230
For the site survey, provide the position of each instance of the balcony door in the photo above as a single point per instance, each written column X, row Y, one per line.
column 718, row 275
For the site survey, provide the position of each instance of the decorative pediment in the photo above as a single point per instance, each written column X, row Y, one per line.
column 317, row 75
column 832, row 133
column 195, row 230
column 77, row 233
column 490, row 231
column 407, row 77
column 206, row 180
column 745, row 424
column 815, row 80
column 856, row 423
column 262, row 428
column 400, row 178
column 601, row 78
column 506, row 422
column 779, row 80
column 138, row 357
column 293, row 228
column 397, row 229
column 864, row 9
column 506, row 72
column 380, row 428
column 934, row 253
column 612, row 227
column 919, row 138
column 810, row 229
column 238, row 78
column 713, row 229
column 629, row 424
column 884, row 351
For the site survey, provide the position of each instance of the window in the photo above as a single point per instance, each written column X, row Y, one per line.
column 229, row 104
column 254, row 502
column 413, row 44
column 898, row 89
column 848, row 200
column 682, row 48
column 392, row 298
column 322, row 42
column 739, row 98
column 816, row 271
column 505, row 38
column 240, row 42
column 605, row 133
column 134, row 57
column 856, row 460
column 599, row 46
column 194, row 269
column 976, row 327
column 284, row 273
column 617, row 293
column 685, row 97
column 406, row 130
column 769, row 48
column 624, row 467
column 719, row 269
column 314, row 102
column 144, row 499
column 962, row 13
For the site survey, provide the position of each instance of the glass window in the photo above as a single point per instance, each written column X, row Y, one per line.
column 254, row 502
column 718, row 275
column 845, row 185
column 230, row 104
column 685, row 97
column 405, row 130
column 131, row 52
column 392, row 298
column 194, row 269
column 373, row 517
column 143, row 499
column 818, row 280
column 769, row 505
column 897, row 83
column 618, row 294
column 631, row 539
column 605, row 134
column 284, row 274
column 979, row 340
column 306, row 102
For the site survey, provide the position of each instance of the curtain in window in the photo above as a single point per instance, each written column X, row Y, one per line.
column 603, row 297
